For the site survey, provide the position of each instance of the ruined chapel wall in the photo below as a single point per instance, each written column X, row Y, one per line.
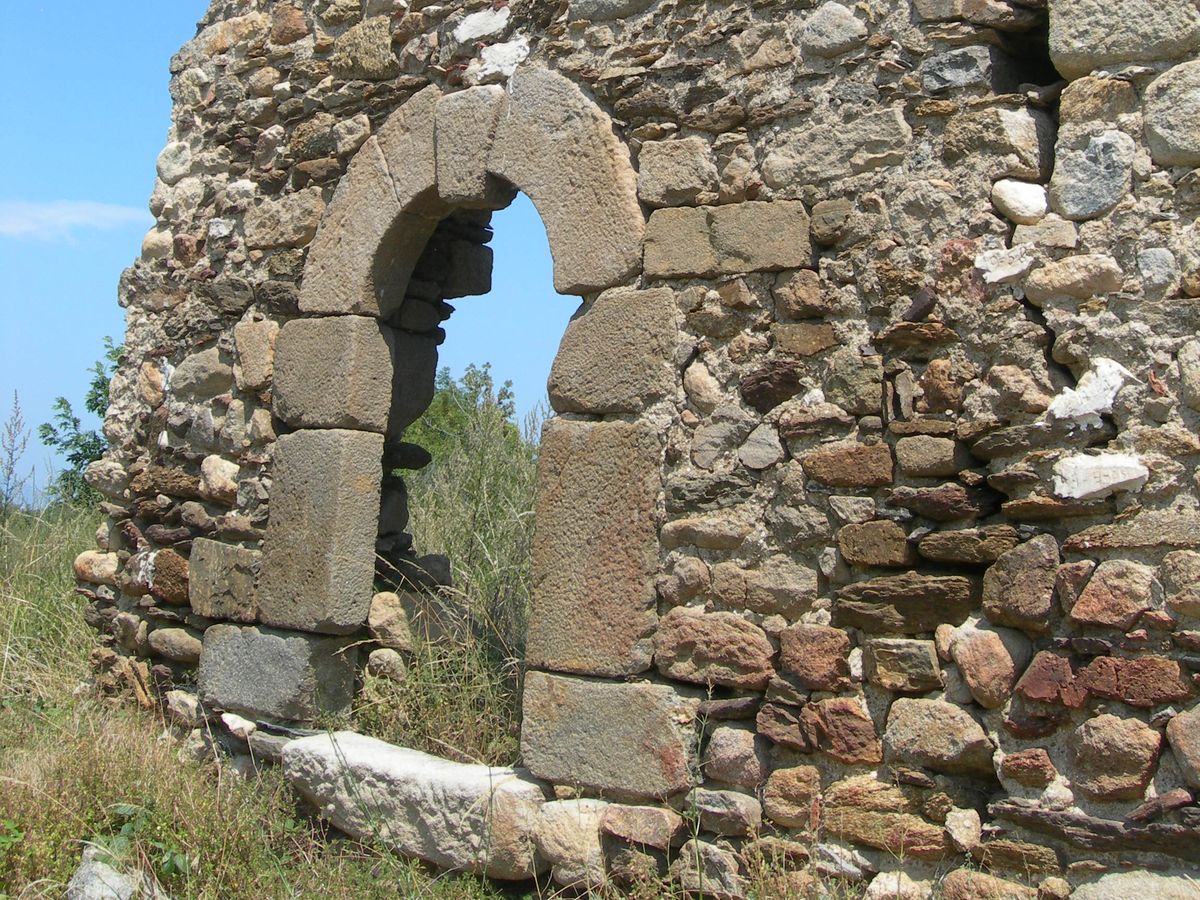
column 905, row 533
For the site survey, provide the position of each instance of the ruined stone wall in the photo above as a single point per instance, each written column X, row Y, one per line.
column 868, row 526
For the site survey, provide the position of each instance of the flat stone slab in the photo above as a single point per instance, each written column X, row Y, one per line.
column 275, row 674
column 630, row 740
column 461, row 817
column 318, row 562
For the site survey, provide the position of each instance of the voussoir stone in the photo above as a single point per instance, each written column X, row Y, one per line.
column 548, row 133
column 221, row 580
column 628, row 740
column 465, row 131
column 720, row 648
column 726, row 240
column 458, row 816
column 319, row 550
column 1090, row 34
column 615, row 355
column 275, row 674
column 936, row 735
column 334, row 372
column 595, row 550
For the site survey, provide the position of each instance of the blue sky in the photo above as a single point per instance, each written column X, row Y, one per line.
column 83, row 97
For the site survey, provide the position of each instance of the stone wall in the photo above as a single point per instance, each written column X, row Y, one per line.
column 868, row 527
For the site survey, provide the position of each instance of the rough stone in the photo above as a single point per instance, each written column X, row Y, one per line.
column 718, row 648
column 202, row 375
column 910, row 603
column 1113, row 758
column 707, row 868
column 850, row 464
column 728, row 813
column 1122, row 885
column 828, row 150
column 290, row 221
column 615, row 355
column 832, row 30
column 791, row 797
column 735, row 755
column 568, row 836
column 319, row 550
column 255, row 342
column 966, row 884
column 1172, row 108
column 284, row 675
column 936, row 735
column 1078, row 277
column 675, row 173
column 461, row 817
column 991, row 660
column 595, row 549
column 816, row 656
column 925, row 456
column 1017, row 143
column 878, row 543
column 1180, row 573
column 727, row 240
column 96, row 567
column 1018, row 589
column 365, row 51
column 1092, row 177
column 1031, row 767
column 176, row 644
column 1086, row 35
column 648, row 826
column 629, row 740
column 1118, row 592
column 971, row 546
column 901, row 665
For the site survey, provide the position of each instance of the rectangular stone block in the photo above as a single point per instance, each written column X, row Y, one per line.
column 595, row 549
column 221, row 580
column 276, row 674
column 334, row 372
column 630, row 741
column 705, row 241
column 319, row 551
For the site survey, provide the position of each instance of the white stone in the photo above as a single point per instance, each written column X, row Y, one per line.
column 831, row 30
column 483, row 24
column 218, row 478
column 463, row 817
column 1159, row 270
column 183, row 708
column 497, row 61
column 1145, row 885
column 1083, row 477
column 897, row 886
column 965, row 829
column 351, row 134
column 568, row 836
column 157, row 244
column 701, row 388
column 96, row 880
column 174, row 162
column 1020, row 201
column 1189, row 374
column 1004, row 266
column 1093, row 396
column 237, row 726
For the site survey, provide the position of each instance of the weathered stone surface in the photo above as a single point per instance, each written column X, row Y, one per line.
column 1143, row 681
column 767, row 387
column 902, row 665
column 202, row 375
column 568, row 837
column 841, row 727
column 334, row 372
column 1018, row 590
column 1031, row 768
column 1078, row 277
column 319, row 550
column 169, row 577
column 972, row 546
column 1173, row 111
column 675, row 173
column 387, row 619
column 878, row 543
column 461, row 817
column 1016, row 143
column 991, row 660
column 221, row 580
column 465, row 129
column 729, row 813
column 816, row 656
column 943, row 503
column 290, row 221
column 287, row 24
column 1113, row 758
column 926, row 456
column 1155, row 528
column 735, row 755
column 615, row 355
column 1087, row 35
column 177, row 644
column 275, row 674
column 828, row 150
column 701, row 867
column 850, row 464
column 1092, row 175
column 96, row 567
column 718, row 648
column 548, row 133
column 967, row 884
column 832, row 30
column 365, row 51
column 255, row 343
column 1123, row 885
column 727, row 240
column 901, row 834
column 792, row 796
column 629, row 740
column 1117, row 594
column 1050, row 678
column 1183, row 735
column 779, row 586
column 1020, row 201
column 907, row 604
column 595, row 550
column 936, row 735
column 649, row 826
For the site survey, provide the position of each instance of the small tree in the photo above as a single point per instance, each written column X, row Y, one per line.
column 78, row 446
column 13, row 441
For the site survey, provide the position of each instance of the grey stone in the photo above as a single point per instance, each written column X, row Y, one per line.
column 605, row 10
column 465, row 131
column 616, row 353
column 675, row 173
column 202, row 375
column 982, row 67
column 936, row 735
column 334, row 372
column 461, row 817
column 628, row 740
column 1173, row 110
column 97, row 880
column 289, row 221
column 729, row 813
column 1093, row 176
column 1090, row 34
column 832, row 30
column 365, row 51
column 595, row 550
column 826, row 151
column 221, row 580
column 174, row 162
column 284, row 675
column 727, row 240
column 762, row 448
column 549, row 133
column 708, row 870
column 319, row 549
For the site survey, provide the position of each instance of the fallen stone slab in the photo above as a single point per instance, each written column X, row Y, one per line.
column 461, row 817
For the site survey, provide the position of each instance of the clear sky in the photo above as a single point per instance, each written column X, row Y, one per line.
column 85, row 110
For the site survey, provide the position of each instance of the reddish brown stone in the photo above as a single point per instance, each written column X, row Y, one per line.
column 972, row 546
column 841, row 728
column 1145, row 681
column 879, row 543
column 782, row 725
column 1018, row 590
column 990, row 660
column 1114, row 758
column 1117, row 594
column 1031, row 768
column 944, row 503
column 816, row 656
column 850, row 464
column 766, row 388
column 718, row 648
column 965, row 884
column 792, row 797
column 169, row 578
column 287, row 24
column 910, row 603
column 1051, row 678
column 1030, row 719
column 1070, row 581
column 1017, row 856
